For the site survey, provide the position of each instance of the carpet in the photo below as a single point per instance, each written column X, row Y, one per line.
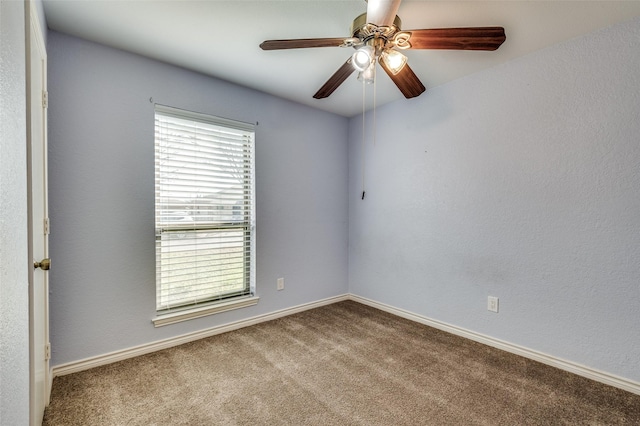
column 341, row 364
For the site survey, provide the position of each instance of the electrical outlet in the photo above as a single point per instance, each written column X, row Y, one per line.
column 280, row 284
column 492, row 304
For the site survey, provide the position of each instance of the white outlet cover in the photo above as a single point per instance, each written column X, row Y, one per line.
column 492, row 304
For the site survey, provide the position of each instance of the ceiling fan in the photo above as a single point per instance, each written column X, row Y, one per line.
column 378, row 38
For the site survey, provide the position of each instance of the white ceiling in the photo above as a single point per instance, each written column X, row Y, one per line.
column 221, row 38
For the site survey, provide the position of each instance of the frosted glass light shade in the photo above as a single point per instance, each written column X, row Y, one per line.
column 368, row 75
column 394, row 60
column 362, row 58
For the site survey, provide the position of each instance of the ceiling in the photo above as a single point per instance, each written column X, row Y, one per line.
column 221, row 38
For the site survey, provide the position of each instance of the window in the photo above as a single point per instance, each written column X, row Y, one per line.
column 205, row 216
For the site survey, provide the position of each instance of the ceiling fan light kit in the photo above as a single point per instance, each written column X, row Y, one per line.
column 377, row 37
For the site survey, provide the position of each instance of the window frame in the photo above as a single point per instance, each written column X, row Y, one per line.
column 224, row 302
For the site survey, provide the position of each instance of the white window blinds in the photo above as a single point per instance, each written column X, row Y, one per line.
column 204, row 193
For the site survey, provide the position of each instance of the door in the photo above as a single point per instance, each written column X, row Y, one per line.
column 39, row 348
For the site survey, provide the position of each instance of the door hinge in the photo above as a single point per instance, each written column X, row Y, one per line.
column 45, row 99
column 47, row 351
column 47, row 227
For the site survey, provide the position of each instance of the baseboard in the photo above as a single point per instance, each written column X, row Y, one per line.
column 87, row 363
column 572, row 367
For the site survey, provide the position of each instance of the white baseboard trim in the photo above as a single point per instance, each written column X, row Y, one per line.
column 572, row 367
column 96, row 361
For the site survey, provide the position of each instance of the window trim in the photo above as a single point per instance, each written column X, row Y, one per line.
column 204, row 310
column 187, row 312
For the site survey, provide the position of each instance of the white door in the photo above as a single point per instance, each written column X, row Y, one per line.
column 39, row 347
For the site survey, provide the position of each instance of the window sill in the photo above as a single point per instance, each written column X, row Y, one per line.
column 203, row 311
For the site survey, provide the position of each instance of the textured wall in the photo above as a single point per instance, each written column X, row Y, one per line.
column 14, row 300
column 519, row 182
column 102, row 195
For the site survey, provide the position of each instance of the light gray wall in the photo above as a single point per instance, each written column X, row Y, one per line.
column 520, row 182
column 102, row 195
column 14, row 280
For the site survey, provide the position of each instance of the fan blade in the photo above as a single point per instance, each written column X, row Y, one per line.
column 301, row 43
column 335, row 80
column 406, row 80
column 478, row 38
column 382, row 12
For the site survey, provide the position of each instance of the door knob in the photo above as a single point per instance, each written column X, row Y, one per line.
column 44, row 264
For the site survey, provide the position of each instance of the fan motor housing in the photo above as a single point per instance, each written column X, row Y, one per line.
column 364, row 31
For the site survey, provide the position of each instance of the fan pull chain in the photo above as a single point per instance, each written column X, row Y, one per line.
column 363, row 130
column 375, row 84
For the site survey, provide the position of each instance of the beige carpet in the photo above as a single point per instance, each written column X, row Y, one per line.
column 343, row 364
